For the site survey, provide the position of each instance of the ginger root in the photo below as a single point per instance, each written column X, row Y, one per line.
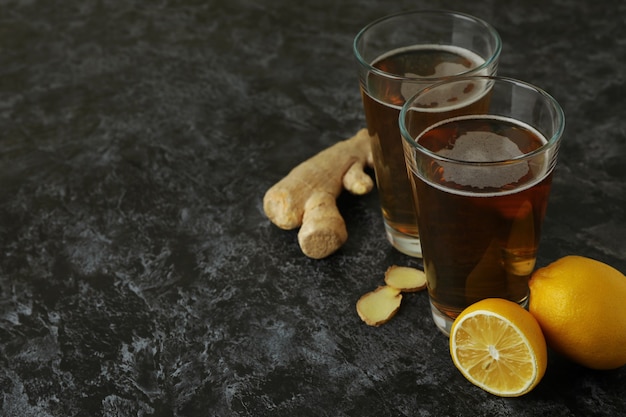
column 307, row 196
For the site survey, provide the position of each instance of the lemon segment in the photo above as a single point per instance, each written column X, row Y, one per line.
column 498, row 346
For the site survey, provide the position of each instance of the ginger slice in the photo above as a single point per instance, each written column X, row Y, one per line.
column 405, row 279
column 379, row 306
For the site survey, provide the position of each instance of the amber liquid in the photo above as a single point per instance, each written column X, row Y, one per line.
column 480, row 230
column 382, row 100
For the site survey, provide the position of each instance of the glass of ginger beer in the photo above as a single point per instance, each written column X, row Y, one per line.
column 480, row 152
column 398, row 55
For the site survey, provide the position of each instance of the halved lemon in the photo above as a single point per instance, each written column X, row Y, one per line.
column 498, row 346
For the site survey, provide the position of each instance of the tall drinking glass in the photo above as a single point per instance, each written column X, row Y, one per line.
column 397, row 56
column 480, row 152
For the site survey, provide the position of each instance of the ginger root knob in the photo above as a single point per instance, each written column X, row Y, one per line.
column 323, row 229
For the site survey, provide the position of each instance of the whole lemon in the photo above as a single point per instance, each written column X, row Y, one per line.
column 580, row 304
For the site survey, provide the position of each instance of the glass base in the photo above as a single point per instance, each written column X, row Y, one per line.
column 407, row 244
column 444, row 322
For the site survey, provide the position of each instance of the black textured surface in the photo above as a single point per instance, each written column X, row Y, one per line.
column 138, row 274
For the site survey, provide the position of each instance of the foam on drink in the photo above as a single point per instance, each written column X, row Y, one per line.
column 423, row 70
column 482, row 147
column 485, row 148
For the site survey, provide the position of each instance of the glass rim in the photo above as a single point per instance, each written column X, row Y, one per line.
column 551, row 142
column 488, row 62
